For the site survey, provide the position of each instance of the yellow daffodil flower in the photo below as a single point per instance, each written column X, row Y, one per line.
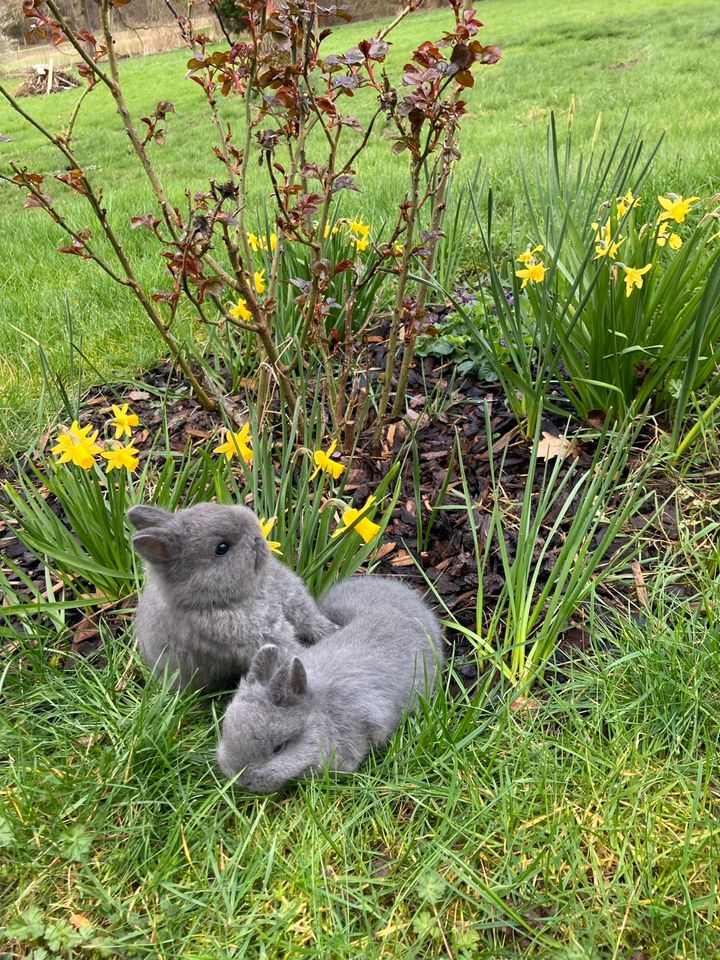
column 335, row 228
column 634, row 278
column 604, row 245
column 260, row 243
column 535, row 273
column 529, row 255
column 675, row 207
column 260, row 285
column 123, row 420
column 323, row 461
column 77, row 445
column 365, row 527
column 266, row 526
column 626, row 203
column 121, row 457
column 357, row 226
column 673, row 240
column 361, row 243
column 239, row 443
column 240, row 310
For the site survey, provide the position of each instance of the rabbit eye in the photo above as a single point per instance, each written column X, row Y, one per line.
column 222, row 548
column 279, row 747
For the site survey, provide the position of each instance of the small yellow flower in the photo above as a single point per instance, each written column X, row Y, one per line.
column 240, row 310
column 604, row 244
column 675, row 207
column 335, row 228
column 77, row 445
column 529, row 255
column 239, row 444
column 626, row 203
column 260, row 285
column 364, row 526
column 323, row 461
column 120, row 457
column 535, row 273
column 260, row 243
column 634, row 278
column 357, row 226
column 673, row 240
column 361, row 243
column 266, row 526
column 123, row 420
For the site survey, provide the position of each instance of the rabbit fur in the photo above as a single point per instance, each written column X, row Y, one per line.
column 325, row 706
column 202, row 616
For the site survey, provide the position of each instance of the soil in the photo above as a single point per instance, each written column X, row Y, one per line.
column 447, row 558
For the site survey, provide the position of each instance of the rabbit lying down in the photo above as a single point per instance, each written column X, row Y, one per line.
column 327, row 705
column 215, row 595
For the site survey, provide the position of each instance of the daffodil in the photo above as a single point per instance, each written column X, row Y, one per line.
column 604, row 244
column 266, row 526
column 260, row 243
column 529, row 255
column 260, row 285
column 121, row 457
column 357, row 226
column 77, row 445
column 239, row 443
column 240, row 310
column 123, row 420
column 364, row 526
column 323, row 461
column 359, row 234
column 331, row 229
column 634, row 277
column 534, row 273
column 675, row 207
column 626, row 203
column 673, row 240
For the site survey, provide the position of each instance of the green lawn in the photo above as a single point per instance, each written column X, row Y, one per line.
column 654, row 58
column 580, row 825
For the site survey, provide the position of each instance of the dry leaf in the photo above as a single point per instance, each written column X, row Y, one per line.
column 551, row 445
column 385, row 549
column 640, row 588
column 138, row 395
column 79, row 920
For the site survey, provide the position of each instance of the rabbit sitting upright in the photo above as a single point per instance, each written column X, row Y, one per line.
column 215, row 594
column 327, row 705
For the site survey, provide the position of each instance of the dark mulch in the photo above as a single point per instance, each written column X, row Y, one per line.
column 449, row 557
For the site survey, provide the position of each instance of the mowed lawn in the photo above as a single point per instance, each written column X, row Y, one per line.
column 655, row 58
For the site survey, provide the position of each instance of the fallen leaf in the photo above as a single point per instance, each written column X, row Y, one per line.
column 385, row 549
column 79, row 920
column 138, row 395
column 551, row 445
column 640, row 588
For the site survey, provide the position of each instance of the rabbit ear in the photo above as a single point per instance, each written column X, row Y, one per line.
column 260, row 550
column 154, row 545
column 145, row 516
column 263, row 664
column 288, row 683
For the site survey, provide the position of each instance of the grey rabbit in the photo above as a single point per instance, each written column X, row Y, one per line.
column 215, row 594
column 327, row 705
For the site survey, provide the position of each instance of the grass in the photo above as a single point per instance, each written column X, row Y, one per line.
column 578, row 57
column 579, row 824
